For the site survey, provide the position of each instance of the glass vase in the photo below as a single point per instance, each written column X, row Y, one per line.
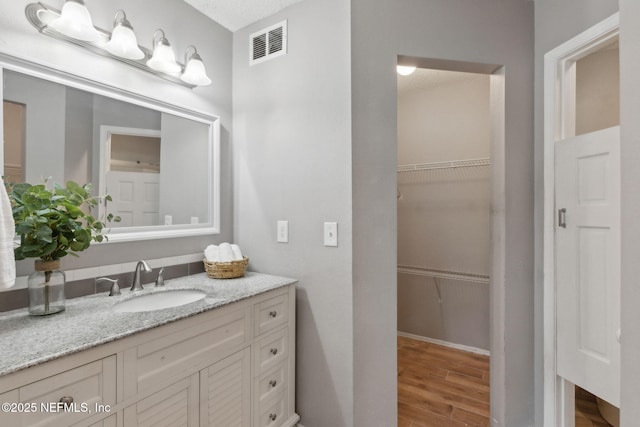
column 46, row 289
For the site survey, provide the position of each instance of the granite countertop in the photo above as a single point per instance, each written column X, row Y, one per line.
column 90, row 321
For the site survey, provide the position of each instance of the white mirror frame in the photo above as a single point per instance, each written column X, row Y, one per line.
column 212, row 226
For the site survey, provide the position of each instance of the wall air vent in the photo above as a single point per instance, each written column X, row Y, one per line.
column 268, row 43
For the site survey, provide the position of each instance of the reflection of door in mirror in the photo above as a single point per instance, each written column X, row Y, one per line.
column 133, row 175
column 15, row 122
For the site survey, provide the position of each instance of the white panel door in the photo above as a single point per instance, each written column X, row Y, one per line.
column 587, row 174
column 135, row 197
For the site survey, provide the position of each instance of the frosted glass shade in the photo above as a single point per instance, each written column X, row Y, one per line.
column 195, row 73
column 75, row 22
column 163, row 59
column 124, row 44
column 405, row 70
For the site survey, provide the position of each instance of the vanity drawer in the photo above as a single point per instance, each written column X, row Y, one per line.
column 170, row 357
column 270, row 314
column 83, row 389
column 271, row 351
column 272, row 383
column 273, row 413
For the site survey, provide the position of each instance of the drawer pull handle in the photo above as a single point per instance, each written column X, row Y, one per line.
column 273, row 417
column 273, row 383
column 66, row 400
column 274, row 351
column 273, row 313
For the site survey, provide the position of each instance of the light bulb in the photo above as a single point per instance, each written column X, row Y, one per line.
column 75, row 22
column 163, row 58
column 194, row 71
column 123, row 41
column 405, row 70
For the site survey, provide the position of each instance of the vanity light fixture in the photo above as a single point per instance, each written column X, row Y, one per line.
column 163, row 59
column 194, row 71
column 75, row 21
column 123, row 41
column 405, row 70
column 74, row 25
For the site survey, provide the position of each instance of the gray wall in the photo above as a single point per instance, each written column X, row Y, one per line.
column 183, row 26
column 492, row 32
column 556, row 21
column 630, row 152
column 292, row 161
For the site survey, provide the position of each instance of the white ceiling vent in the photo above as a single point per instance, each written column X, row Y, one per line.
column 268, row 43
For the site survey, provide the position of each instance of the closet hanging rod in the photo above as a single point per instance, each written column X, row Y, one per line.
column 444, row 274
column 444, row 165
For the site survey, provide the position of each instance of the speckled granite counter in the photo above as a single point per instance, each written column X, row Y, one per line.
column 91, row 321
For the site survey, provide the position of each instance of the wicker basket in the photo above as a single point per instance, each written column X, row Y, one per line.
column 225, row 270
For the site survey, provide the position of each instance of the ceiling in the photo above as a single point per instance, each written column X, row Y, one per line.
column 423, row 79
column 237, row 14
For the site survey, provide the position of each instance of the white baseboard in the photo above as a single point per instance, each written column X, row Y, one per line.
column 446, row 344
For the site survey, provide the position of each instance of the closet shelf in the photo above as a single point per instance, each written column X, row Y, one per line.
column 453, row 164
column 444, row 274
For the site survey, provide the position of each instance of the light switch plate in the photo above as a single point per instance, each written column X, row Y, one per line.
column 283, row 232
column 331, row 234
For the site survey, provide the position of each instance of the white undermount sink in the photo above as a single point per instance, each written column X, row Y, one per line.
column 159, row 300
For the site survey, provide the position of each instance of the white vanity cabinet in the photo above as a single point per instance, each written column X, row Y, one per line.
column 230, row 366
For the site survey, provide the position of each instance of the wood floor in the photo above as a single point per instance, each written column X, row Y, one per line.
column 440, row 386
column 587, row 414
column 443, row 387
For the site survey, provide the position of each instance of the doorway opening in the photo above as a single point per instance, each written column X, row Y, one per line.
column 14, row 125
column 582, row 228
column 450, row 126
column 130, row 163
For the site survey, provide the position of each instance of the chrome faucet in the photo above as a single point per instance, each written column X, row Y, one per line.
column 136, row 285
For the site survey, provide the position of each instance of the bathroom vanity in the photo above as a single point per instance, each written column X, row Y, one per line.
column 226, row 360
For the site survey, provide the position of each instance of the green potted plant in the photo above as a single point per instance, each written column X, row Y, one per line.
column 53, row 223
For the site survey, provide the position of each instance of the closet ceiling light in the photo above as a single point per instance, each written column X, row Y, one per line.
column 163, row 58
column 194, row 71
column 405, row 70
column 123, row 41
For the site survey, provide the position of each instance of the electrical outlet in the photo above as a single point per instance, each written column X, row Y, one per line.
column 331, row 234
column 283, row 232
column 168, row 220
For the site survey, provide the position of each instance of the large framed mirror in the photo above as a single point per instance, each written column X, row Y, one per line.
column 158, row 162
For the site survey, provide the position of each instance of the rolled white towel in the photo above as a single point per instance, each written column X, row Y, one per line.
column 7, row 233
column 237, row 253
column 212, row 253
column 226, row 254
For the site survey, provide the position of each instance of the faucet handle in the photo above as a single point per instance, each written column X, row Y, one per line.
column 160, row 279
column 115, row 289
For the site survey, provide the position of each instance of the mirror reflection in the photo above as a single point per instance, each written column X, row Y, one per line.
column 155, row 165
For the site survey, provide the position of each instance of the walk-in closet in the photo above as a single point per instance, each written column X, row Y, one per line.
column 444, row 247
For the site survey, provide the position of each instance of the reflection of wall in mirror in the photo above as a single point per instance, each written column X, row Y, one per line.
column 45, row 124
column 184, row 187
